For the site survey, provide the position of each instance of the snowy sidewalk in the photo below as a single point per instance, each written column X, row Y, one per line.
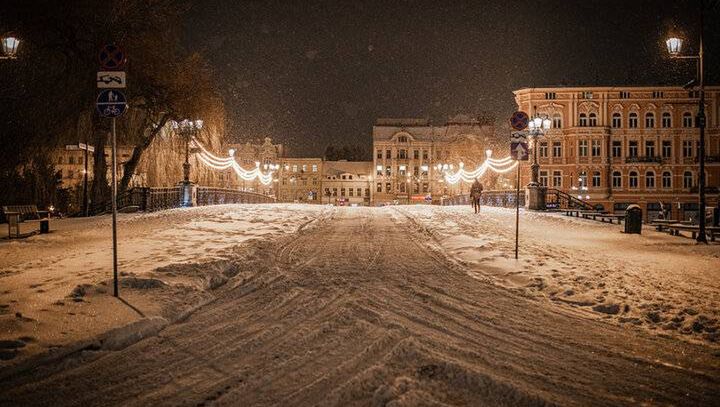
column 55, row 289
column 664, row 283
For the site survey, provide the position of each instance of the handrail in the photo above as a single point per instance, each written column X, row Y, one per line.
column 571, row 201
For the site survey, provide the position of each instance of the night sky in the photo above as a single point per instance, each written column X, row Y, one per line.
column 310, row 73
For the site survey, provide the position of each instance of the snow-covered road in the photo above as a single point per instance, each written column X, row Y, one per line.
column 372, row 307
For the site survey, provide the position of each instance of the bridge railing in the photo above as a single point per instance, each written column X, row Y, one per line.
column 499, row 198
column 219, row 196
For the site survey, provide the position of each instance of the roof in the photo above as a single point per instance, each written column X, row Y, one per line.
column 348, row 167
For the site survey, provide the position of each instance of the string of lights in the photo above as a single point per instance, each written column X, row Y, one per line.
column 223, row 163
column 500, row 166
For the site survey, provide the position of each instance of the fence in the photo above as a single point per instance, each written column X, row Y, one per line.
column 499, row 198
column 157, row 199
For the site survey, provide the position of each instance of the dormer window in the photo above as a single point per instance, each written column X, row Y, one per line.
column 402, row 139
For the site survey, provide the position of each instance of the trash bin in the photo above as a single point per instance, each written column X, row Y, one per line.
column 633, row 219
column 45, row 226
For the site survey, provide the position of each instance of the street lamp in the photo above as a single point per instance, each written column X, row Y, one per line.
column 538, row 125
column 674, row 47
column 187, row 129
column 10, row 45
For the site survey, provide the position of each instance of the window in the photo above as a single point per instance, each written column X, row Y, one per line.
column 557, row 179
column 596, row 148
column 557, row 149
column 402, row 187
column 633, row 179
column 593, row 120
column 583, row 120
column 343, row 177
column 633, row 120
column 388, row 154
column 616, row 120
column 657, row 95
column 586, row 95
column 401, row 170
column 425, row 155
column 388, row 187
column 544, row 178
column 402, row 139
column 367, row 191
column 416, row 154
column 314, row 168
column 583, row 181
column 543, row 149
column 649, row 120
column 617, row 148
column 650, row 180
column 379, row 154
column 304, row 168
column 379, row 187
column 350, row 192
column 424, row 170
column 557, row 121
column 687, row 119
column 596, row 179
column 425, row 187
column 694, row 94
column 402, row 154
column 666, row 180
column 416, row 188
column 379, row 170
column 583, row 148
column 387, row 171
column 550, row 95
column 624, row 94
column 633, row 148
column 687, row 180
column 295, row 168
column 649, row 148
column 416, row 171
column 666, row 120
column 687, row 148
column 334, row 191
column 71, row 160
column 667, row 148
column 616, row 179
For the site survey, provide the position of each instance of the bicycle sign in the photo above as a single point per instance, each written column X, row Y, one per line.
column 111, row 103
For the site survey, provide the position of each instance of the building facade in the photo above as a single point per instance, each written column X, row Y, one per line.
column 347, row 183
column 250, row 155
column 615, row 146
column 407, row 151
column 299, row 180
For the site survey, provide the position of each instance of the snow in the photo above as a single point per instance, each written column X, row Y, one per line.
column 663, row 283
column 366, row 306
column 55, row 289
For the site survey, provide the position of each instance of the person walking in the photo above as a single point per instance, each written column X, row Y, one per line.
column 476, row 194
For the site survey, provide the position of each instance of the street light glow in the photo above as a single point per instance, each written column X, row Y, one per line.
column 674, row 46
column 10, row 45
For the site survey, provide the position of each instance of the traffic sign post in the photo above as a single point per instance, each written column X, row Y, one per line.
column 520, row 152
column 111, row 103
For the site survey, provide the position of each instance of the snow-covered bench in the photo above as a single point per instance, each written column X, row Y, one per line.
column 15, row 214
column 675, row 229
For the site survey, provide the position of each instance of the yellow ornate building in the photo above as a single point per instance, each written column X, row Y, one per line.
column 616, row 146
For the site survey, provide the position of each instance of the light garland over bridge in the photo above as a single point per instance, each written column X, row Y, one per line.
column 500, row 166
column 223, row 163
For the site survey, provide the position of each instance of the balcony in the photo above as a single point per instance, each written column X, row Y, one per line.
column 644, row 159
column 709, row 159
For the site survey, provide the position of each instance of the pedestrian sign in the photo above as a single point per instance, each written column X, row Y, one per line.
column 111, row 103
column 519, row 120
column 111, row 57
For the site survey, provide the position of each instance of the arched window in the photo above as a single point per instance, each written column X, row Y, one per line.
column 649, row 120
column 633, row 120
column 593, row 120
column 666, row 180
column 633, row 179
column 666, row 120
column 583, row 120
column 596, row 180
column 687, row 119
column 616, row 120
column 582, row 180
column 557, row 121
column 687, row 180
column 617, row 179
column 649, row 180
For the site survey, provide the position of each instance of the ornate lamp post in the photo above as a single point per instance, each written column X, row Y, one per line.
column 535, row 193
column 674, row 47
column 10, row 45
column 188, row 129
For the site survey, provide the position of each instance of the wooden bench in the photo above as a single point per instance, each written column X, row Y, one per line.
column 609, row 217
column 15, row 214
column 661, row 224
column 675, row 229
column 578, row 212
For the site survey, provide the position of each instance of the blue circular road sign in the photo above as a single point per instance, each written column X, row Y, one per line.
column 111, row 103
column 519, row 120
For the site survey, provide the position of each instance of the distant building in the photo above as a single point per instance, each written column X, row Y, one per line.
column 70, row 165
column 406, row 151
column 347, row 183
column 299, row 180
column 615, row 146
column 249, row 155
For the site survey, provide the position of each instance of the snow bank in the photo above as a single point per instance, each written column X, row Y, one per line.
column 663, row 283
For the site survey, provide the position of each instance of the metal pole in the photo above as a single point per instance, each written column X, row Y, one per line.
column 701, row 238
column 85, row 183
column 114, row 209
column 517, row 210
